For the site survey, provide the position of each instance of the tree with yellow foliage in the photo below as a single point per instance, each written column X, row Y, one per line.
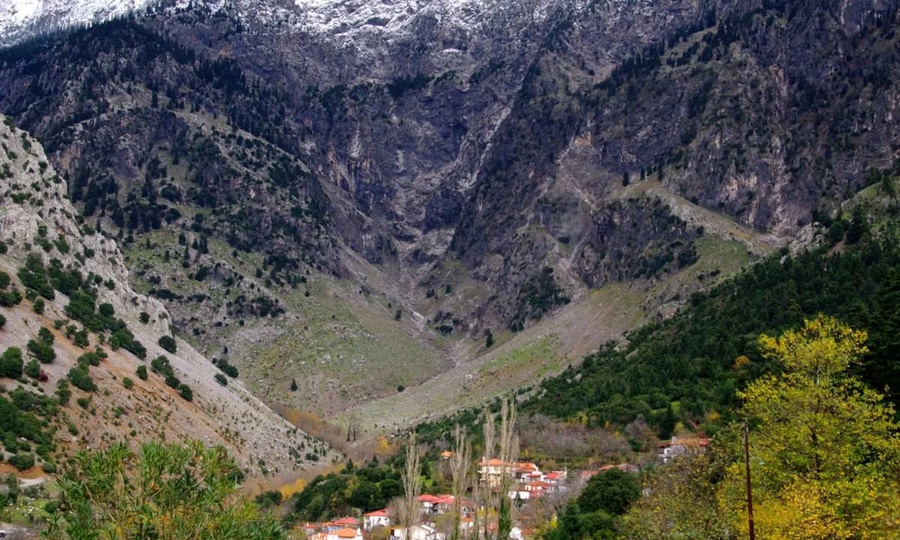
column 824, row 448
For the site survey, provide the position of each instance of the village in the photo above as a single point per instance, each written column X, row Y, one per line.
column 527, row 486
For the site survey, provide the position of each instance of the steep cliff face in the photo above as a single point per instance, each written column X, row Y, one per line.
column 40, row 228
column 454, row 146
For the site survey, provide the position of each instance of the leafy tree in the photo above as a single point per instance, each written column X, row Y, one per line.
column 33, row 369
column 177, row 492
column 142, row 372
column 825, row 447
column 42, row 351
column 11, row 363
column 22, row 461
column 168, row 343
column 613, row 492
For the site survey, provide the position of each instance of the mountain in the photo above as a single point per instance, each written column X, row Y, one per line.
column 76, row 288
column 21, row 19
column 352, row 194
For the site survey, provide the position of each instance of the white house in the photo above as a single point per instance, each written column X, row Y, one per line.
column 417, row 532
column 378, row 518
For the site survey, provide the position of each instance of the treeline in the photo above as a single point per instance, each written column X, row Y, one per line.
column 688, row 368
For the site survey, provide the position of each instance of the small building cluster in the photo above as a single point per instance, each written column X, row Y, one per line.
column 527, row 481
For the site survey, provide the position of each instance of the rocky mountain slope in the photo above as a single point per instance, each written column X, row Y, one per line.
column 40, row 229
column 351, row 194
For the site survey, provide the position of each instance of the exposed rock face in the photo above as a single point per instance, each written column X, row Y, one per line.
column 497, row 133
column 36, row 218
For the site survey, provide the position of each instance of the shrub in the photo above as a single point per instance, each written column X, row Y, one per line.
column 84, row 402
column 42, row 351
column 39, row 306
column 11, row 363
column 63, row 393
column 168, row 343
column 128, row 383
column 2, row 321
column 186, row 392
column 221, row 379
column 142, row 373
column 22, row 461
column 33, row 369
column 227, row 368
column 46, row 336
column 81, row 379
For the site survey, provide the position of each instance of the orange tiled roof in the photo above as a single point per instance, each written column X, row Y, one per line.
column 345, row 533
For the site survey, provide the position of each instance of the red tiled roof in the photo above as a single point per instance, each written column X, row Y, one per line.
column 378, row 513
column 345, row 533
column 346, row 521
column 429, row 499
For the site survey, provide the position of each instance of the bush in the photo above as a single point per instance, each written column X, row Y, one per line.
column 4, row 280
column 10, row 298
column 128, row 383
column 2, row 321
column 221, row 379
column 33, row 369
column 81, row 379
column 142, row 373
column 168, row 343
column 84, row 402
column 34, row 276
column 186, row 392
column 42, row 351
column 39, row 306
column 63, row 392
column 11, row 363
column 227, row 368
column 22, row 461
column 46, row 336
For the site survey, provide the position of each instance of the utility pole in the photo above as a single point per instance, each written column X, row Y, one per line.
column 749, row 487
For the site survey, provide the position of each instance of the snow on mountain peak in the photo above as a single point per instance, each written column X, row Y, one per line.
column 20, row 19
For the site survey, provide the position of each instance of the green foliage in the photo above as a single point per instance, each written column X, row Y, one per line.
column 612, row 491
column 337, row 494
column 81, row 379
column 539, row 295
column 63, row 392
column 185, row 392
column 11, row 363
column 172, row 491
column 42, row 351
column 227, row 368
column 33, row 369
column 221, row 379
column 268, row 499
column 34, row 276
column 168, row 344
column 38, row 306
column 685, row 367
column 128, row 383
column 22, row 461
column 4, row 280
column 2, row 320
column 142, row 372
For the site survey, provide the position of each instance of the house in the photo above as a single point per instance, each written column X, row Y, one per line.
column 378, row 518
column 345, row 534
column 417, row 532
column 680, row 446
column 430, row 503
column 492, row 471
column 347, row 522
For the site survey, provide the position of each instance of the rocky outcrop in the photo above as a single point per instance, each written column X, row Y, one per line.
column 499, row 134
column 38, row 221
